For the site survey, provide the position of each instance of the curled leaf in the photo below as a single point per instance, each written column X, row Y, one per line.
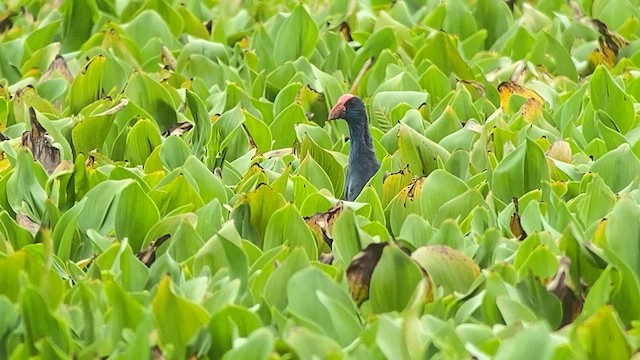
column 178, row 129
column 560, row 150
column 39, row 143
column 561, row 287
column 609, row 45
column 148, row 254
column 59, row 66
column 360, row 270
column 322, row 222
column 515, row 223
column 507, row 88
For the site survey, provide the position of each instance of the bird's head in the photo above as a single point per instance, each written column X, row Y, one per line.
column 348, row 107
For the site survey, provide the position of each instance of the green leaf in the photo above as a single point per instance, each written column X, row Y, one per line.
column 174, row 152
column 287, row 221
column 154, row 98
column 142, row 139
column 297, row 37
column 27, row 196
column 178, row 319
column 136, row 213
column 393, row 281
column 419, row 153
column 263, row 203
column 316, row 300
column 618, row 168
column 79, row 18
column 603, row 336
column 87, row 87
column 275, row 292
column 522, row 170
column 608, row 96
column 40, row 323
column 202, row 130
column 441, row 51
column 259, row 345
column 90, row 133
column 447, row 267
column 284, row 124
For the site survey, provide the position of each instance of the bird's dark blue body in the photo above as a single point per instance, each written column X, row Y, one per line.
column 362, row 158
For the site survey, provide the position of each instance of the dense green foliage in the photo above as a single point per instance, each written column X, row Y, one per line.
column 178, row 204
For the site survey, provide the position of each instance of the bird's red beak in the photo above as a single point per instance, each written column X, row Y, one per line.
column 338, row 110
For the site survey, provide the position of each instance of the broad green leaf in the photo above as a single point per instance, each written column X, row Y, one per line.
column 381, row 39
column 263, row 203
column 441, row 51
column 87, row 86
column 328, row 161
column 403, row 204
column 202, row 130
column 438, row 188
column 275, row 292
column 297, row 37
column 419, row 153
column 608, row 96
column 90, row 133
column 521, row 171
column 286, row 221
column 348, row 237
column 618, row 168
column 79, row 18
column 602, row 335
column 136, row 213
column 174, row 152
column 259, row 345
column 28, row 195
column 153, row 98
column 394, row 281
column 314, row 298
column 227, row 324
column 142, row 139
column 447, row 267
column 178, row 319
column 40, row 323
column 284, row 124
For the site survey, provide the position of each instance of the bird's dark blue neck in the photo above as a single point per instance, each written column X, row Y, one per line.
column 361, row 148
column 360, row 140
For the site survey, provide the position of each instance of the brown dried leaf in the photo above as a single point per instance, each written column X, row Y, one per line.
column 610, row 44
column 167, row 58
column 58, row 65
column 178, row 129
column 26, row 223
column 148, row 254
column 322, row 222
column 572, row 300
column 360, row 270
column 345, row 31
column 6, row 21
column 326, row 258
column 39, row 143
column 514, row 222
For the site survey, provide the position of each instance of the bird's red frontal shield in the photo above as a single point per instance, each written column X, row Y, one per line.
column 338, row 110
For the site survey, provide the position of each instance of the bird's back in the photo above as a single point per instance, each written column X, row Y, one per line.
column 358, row 174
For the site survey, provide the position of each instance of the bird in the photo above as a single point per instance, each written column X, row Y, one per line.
column 362, row 163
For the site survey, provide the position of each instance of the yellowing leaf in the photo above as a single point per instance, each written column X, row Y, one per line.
column 506, row 89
